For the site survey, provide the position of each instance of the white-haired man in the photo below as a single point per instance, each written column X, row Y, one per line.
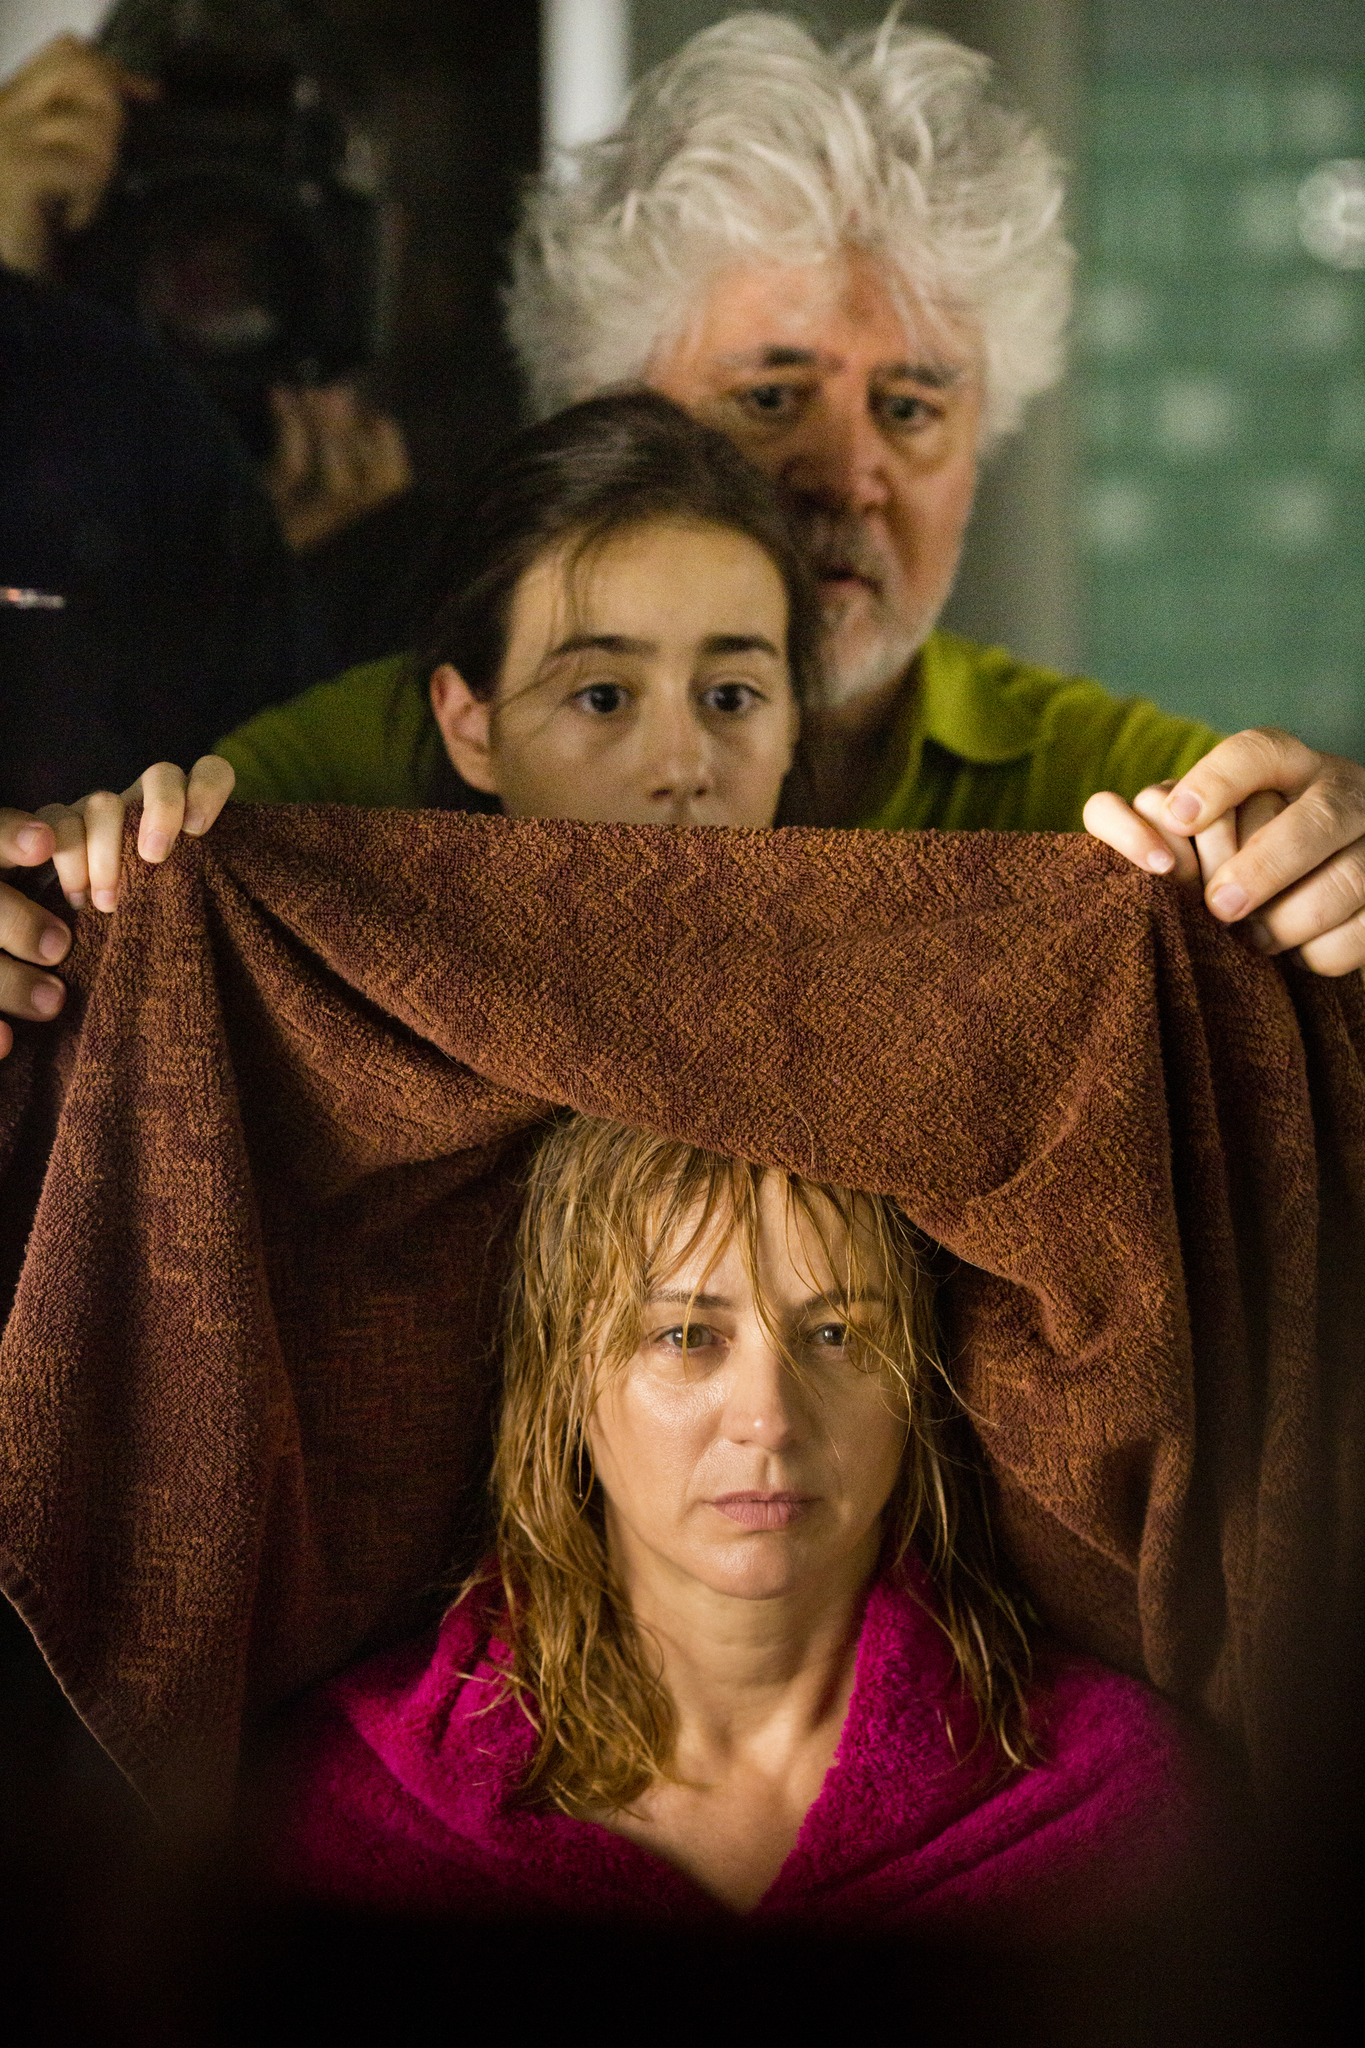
column 853, row 262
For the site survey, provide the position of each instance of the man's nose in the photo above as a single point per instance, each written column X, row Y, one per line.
column 837, row 460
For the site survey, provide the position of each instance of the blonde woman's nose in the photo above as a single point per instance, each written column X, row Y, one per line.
column 759, row 1408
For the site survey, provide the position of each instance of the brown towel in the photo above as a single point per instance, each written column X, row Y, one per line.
column 245, row 1377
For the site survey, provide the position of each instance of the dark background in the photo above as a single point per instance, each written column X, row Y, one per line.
column 450, row 94
column 1185, row 518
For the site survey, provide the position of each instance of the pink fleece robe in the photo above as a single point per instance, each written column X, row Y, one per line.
column 398, row 1777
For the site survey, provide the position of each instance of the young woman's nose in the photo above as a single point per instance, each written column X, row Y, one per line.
column 759, row 1406
column 837, row 461
column 677, row 765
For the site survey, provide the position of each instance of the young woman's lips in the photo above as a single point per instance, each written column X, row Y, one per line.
column 764, row 1510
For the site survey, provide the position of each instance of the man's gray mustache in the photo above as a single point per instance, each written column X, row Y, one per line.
column 844, row 548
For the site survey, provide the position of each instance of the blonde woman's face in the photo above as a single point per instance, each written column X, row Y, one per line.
column 647, row 686
column 722, row 1462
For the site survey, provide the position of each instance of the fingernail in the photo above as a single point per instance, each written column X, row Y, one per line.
column 194, row 823
column 104, row 899
column 32, row 839
column 155, row 846
column 1161, row 862
column 77, row 898
column 1228, row 902
column 1186, row 807
column 47, row 998
column 54, row 942
column 1260, row 937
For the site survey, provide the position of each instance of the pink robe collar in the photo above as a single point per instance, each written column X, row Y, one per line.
column 403, row 1776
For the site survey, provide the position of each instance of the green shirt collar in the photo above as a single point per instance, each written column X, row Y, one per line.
column 960, row 703
column 966, row 706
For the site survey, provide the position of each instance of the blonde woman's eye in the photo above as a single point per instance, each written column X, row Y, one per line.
column 833, row 1336
column 601, row 699
column 687, row 1337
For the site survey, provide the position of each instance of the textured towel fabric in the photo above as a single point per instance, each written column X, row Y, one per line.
column 395, row 1793
column 244, row 1379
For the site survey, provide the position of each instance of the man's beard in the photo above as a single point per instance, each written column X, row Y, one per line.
column 870, row 640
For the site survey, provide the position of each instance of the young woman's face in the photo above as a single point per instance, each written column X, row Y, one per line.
column 719, row 1462
column 647, row 685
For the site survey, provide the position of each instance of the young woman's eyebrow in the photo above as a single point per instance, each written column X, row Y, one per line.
column 600, row 643
column 619, row 643
column 739, row 643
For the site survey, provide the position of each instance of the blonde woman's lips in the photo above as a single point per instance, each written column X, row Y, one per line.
column 764, row 1510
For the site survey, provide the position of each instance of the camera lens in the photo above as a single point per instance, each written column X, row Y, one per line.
column 214, row 280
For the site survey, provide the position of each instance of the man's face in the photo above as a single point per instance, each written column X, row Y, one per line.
column 869, row 417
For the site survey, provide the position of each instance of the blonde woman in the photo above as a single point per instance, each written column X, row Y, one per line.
column 740, row 1646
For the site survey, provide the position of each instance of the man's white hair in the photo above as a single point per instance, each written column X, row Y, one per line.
column 753, row 141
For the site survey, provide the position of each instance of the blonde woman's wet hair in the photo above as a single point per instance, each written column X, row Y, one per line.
column 611, row 1212
column 754, row 143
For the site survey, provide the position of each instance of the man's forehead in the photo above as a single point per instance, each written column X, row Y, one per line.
column 918, row 367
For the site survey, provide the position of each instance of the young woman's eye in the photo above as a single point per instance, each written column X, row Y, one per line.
column 730, row 699
column 601, row 698
column 831, row 1336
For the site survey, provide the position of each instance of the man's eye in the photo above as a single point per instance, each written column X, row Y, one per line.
column 903, row 409
column 601, row 698
column 730, row 699
column 771, row 401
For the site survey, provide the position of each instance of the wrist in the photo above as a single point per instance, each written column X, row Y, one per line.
column 26, row 242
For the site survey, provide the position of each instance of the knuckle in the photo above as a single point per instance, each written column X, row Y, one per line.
column 20, row 920
column 1346, row 783
column 1337, row 952
column 1334, row 803
column 1270, row 736
column 1341, row 890
column 1268, row 745
column 1345, row 884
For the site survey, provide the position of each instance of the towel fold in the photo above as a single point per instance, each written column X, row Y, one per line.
column 244, row 1383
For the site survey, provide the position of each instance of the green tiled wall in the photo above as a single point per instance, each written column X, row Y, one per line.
column 1221, row 382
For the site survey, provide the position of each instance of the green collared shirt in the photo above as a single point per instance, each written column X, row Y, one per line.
column 984, row 743
column 988, row 743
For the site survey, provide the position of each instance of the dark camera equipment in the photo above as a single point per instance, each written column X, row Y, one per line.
column 238, row 227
